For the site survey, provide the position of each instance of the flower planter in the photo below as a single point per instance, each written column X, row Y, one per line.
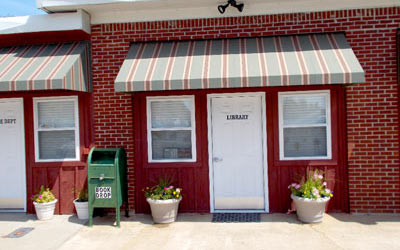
column 82, row 209
column 310, row 210
column 164, row 211
column 45, row 211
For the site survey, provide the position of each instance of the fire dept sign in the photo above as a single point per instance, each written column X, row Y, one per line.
column 7, row 121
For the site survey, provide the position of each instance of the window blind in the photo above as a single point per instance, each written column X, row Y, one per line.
column 300, row 110
column 171, row 114
column 60, row 114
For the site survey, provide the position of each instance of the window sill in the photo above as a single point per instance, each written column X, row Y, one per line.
column 173, row 165
column 301, row 163
column 59, row 164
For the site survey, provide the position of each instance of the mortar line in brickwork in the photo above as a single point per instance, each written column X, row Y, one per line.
column 295, row 18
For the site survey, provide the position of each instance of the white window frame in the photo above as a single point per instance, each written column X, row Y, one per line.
column 36, row 101
column 328, row 124
column 151, row 99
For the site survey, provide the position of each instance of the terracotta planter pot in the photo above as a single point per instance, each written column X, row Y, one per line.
column 82, row 209
column 164, row 211
column 310, row 210
column 45, row 211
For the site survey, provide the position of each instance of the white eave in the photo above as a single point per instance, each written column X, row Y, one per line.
column 114, row 11
column 79, row 20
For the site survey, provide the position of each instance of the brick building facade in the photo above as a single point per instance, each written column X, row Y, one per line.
column 360, row 118
column 372, row 109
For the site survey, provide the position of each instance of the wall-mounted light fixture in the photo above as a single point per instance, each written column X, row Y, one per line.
column 222, row 8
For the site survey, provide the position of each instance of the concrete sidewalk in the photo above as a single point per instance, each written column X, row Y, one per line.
column 276, row 231
column 45, row 235
column 195, row 231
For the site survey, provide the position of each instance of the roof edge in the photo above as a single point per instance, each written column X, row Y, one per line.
column 79, row 20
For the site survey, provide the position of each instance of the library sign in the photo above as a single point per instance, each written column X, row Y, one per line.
column 237, row 117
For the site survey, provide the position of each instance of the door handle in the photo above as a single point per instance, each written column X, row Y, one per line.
column 217, row 159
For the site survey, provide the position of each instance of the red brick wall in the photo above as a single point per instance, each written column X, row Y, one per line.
column 372, row 108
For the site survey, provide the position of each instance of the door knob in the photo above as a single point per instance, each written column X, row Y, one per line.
column 217, row 159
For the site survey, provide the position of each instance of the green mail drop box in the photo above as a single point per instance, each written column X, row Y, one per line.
column 107, row 180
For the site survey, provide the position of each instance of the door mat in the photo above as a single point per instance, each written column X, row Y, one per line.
column 236, row 217
column 20, row 232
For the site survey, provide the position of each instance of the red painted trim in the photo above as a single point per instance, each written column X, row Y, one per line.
column 280, row 173
column 61, row 177
column 8, row 40
column 398, row 87
column 342, row 144
column 139, row 171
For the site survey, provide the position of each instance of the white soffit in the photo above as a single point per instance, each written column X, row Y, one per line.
column 109, row 11
column 79, row 20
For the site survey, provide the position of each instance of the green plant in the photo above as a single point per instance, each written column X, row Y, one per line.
column 44, row 196
column 313, row 186
column 83, row 195
column 163, row 190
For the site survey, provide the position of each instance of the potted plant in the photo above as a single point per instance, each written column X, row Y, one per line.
column 310, row 196
column 45, row 203
column 164, row 201
column 82, row 205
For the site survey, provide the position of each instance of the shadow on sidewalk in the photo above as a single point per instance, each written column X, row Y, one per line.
column 366, row 219
column 17, row 217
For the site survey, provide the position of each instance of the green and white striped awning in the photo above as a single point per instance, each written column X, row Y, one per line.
column 63, row 66
column 241, row 62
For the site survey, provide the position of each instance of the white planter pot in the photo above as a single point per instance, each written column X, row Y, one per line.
column 45, row 211
column 164, row 211
column 82, row 209
column 310, row 210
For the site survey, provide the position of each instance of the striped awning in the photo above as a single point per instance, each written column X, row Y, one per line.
column 241, row 62
column 63, row 66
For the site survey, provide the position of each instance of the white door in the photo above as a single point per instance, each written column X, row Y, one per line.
column 12, row 155
column 237, row 152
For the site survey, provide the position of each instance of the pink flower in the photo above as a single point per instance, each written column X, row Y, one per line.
column 294, row 185
column 165, row 188
column 171, row 187
column 328, row 190
column 324, row 183
column 320, row 177
column 40, row 196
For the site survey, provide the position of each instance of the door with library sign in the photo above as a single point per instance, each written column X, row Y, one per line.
column 237, row 152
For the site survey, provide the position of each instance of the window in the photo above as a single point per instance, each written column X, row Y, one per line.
column 304, row 125
column 171, row 129
column 56, row 129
